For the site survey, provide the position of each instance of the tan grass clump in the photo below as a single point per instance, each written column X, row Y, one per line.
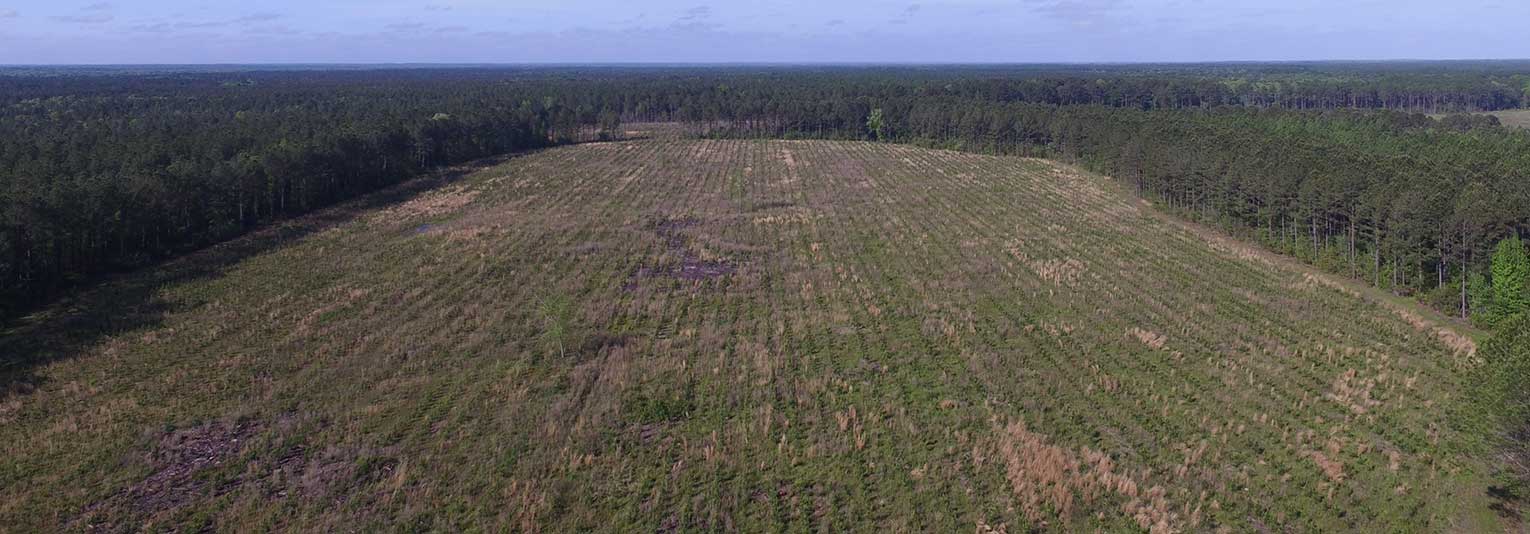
column 790, row 160
column 433, row 204
column 1353, row 393
column 1310, row 280
column 1049, row 478
column 798, row 216
column 1332, row 468
column 1058, row 271
column 1462, row 345
column 1147, row 337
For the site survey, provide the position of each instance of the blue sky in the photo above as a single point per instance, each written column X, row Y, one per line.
column 513, row 31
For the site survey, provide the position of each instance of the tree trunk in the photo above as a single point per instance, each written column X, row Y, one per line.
column 1353, row 268
column 1376, row 256
column 1465, row 268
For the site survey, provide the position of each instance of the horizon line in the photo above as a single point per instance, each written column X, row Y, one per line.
column 759, row 63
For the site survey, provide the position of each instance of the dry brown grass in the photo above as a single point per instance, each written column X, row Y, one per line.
column 1462, row 345
column 1063, row 272
column 1332, row 468
column 1052, row 482
column 1451, row 336
column 1353, row 392
column 1311, row 280
column 1066, row 272
column 430, row 205
column 1148, row 337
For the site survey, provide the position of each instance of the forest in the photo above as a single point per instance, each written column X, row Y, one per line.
column 103, row 170
column 106, row 175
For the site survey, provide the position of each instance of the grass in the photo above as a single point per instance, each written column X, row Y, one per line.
column 1517, row 118
column 736, row 335
column 1512, row 118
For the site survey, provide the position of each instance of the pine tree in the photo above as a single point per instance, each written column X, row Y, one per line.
column 1502, row 400
column 1511, row 279
column 1481, row 294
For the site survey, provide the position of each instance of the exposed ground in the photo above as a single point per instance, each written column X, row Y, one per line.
column 734, row 335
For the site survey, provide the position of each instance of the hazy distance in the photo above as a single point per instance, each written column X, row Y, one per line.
column 788, row 31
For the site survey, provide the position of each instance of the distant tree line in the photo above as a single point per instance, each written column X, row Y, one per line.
column 1417, row 94
column 679, row 91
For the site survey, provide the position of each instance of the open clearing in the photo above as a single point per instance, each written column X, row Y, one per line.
column 1513, row 118
column 1518, row 118
column 737, row 335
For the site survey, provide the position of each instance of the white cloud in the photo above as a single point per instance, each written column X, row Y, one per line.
column 98, row 18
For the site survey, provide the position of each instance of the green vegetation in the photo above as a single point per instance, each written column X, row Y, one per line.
column 734, row 334
column 876, row 123
column 1511, row 279
column 557, row 316
column 1502, row 395
column 1502, row 399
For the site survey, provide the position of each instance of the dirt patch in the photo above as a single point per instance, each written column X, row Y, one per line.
column 178, row 460
column 691, row 267
column 183, row 454
column 314, row 474
column 669, row 229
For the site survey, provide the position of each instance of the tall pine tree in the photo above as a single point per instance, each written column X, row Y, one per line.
column 1511, row 279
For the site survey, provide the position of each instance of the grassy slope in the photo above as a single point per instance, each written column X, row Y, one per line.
column 913, row 339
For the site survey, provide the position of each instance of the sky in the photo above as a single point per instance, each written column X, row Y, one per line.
column 758, row 31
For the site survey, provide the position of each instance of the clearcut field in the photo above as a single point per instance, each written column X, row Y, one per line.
column 737, row 335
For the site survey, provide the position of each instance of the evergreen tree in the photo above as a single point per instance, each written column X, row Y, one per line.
column 1503, row 402
column 1511, row 279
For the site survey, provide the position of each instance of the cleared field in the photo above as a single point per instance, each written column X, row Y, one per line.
column 1513, row 118
column 737, row 335
column 1518, row 118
